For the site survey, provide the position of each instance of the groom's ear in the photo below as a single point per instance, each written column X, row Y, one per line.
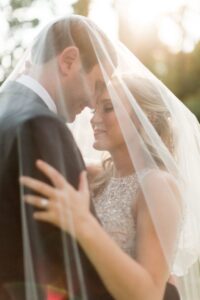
column 68, row 58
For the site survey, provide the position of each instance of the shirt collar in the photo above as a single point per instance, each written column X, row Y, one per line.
column 35, row 86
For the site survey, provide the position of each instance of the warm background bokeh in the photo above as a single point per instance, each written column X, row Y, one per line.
column 163, row 34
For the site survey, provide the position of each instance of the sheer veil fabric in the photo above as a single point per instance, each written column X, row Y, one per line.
column 161, row 135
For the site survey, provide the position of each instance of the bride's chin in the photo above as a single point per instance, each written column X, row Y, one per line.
column 99, row 147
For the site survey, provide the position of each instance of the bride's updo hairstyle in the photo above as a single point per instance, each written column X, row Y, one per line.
column 150, row 100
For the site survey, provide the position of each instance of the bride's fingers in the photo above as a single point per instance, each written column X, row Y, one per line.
column 39, row 186
column 56, row 178
column 37, row 201
column 46, row 216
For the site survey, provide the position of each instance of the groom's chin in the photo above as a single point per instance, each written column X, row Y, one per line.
column 70, row 119
column 67, row 117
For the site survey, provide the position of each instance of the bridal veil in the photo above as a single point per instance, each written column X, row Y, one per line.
column 162, row 137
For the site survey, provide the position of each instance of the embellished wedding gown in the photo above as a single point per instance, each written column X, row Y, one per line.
column 114, row 207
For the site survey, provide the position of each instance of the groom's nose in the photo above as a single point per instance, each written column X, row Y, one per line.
column 90, row 102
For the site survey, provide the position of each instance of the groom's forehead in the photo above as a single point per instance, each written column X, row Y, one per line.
column 100, row 87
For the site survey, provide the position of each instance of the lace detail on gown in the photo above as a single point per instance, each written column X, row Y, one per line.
column 114, row 207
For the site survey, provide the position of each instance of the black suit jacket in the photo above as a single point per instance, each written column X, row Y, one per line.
column 29, row 131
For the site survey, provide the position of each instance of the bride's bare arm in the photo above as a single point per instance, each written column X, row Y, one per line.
column 124, row 277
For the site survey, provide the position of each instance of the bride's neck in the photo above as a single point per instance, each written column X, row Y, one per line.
column 122, row 164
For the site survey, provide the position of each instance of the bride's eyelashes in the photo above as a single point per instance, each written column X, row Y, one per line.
column 104, row 108
column 107, row 108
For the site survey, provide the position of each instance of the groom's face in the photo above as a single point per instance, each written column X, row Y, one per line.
column 82, row 90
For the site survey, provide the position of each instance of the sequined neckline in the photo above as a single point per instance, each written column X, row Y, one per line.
column 123, row 177
column 131, row 176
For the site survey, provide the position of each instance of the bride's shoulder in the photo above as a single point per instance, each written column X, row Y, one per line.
column 160, row 183
column 160, row 188
column 156, row 175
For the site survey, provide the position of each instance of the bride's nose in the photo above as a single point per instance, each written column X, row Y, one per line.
column 96, row 118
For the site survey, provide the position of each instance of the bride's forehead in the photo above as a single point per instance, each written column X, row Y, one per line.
column 103, row 100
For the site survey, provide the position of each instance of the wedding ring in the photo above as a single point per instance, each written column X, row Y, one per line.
column 44, row 202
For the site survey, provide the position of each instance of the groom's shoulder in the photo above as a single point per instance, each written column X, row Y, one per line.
column 43, row 121
column 20, row 106
column 47, row 130
column 48, row 125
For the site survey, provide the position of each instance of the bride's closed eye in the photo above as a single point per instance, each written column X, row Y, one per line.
column 105, row 107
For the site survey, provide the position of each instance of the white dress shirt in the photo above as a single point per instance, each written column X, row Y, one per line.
column 35, row 86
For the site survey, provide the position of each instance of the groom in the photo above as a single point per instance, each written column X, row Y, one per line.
column 62, row 79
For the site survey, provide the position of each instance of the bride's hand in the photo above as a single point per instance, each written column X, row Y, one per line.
column 66, row 207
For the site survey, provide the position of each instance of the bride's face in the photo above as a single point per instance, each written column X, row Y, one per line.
column 107, row 132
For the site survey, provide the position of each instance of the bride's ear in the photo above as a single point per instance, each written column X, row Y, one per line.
column 68, row 58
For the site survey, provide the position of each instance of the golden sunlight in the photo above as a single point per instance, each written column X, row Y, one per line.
column 144, row 12
column 173, row 18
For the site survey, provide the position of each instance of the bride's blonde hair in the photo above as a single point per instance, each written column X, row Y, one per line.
column 150, row 100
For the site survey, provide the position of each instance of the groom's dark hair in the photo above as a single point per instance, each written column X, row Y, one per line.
column 73, row 31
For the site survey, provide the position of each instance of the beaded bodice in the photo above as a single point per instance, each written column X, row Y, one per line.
column 114, row 207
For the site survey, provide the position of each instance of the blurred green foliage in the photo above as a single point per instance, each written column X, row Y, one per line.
column 15, row 4
column 182, row 76
column 81, row 7
column 16, row 22
column 179, row 71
